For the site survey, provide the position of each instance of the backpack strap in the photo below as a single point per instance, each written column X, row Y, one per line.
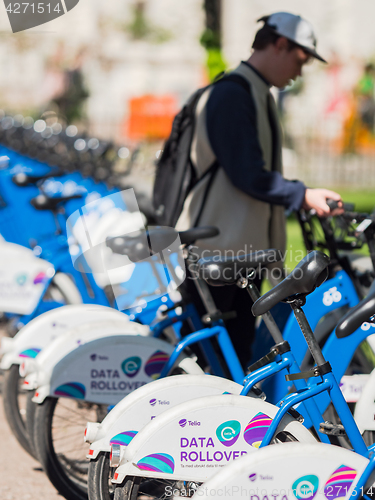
column 213, row 169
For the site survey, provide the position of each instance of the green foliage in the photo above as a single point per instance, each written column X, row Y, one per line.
column 141, row 29
column 364, row 201
column 210, row 39
column 215, row 63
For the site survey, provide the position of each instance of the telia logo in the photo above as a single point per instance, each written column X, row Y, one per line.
column 131, row 366
column 305, row 487
column 252, row 477
column 228, row 432
column 22, row 18
column 152, row 402
column 93, row 357
column 184, row 422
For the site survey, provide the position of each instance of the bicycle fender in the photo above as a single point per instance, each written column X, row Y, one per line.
column 41, row 331
column 37, row 371
column 309, row 470
column 106, row 369
column 192, row 440
column 144, row 404
column 23, row 279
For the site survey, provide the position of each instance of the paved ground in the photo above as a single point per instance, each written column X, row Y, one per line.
column 20, row 475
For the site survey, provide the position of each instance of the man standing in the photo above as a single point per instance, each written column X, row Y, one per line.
column 238, row 129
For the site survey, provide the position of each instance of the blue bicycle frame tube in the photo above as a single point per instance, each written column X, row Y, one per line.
column 310, row 411
column 330, row 385
column 360, row 486
column 340, row 353
column 224, row 343
column 290, row 401
column 346, row 416
column 191, row 314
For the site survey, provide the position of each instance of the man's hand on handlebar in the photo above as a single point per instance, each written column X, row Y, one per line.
column 316, row 199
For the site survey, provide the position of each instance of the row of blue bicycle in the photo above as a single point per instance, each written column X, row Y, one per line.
column 74, row 247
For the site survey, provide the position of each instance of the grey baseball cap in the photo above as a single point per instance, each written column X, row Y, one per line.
column 295, row 29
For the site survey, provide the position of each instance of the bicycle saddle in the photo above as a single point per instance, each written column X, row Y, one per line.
column 360, row 313
column 226, row 271
column 190, row 236
column 43, row 202
column 22, row 179
column 310, row 273
column 141, row 244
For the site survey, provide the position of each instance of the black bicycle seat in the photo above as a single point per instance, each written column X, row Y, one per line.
column 43, row 202
column 360, row 313
column 198, row 233
column 310, row 273
column 139, row 245
column 226, row 271
column 22, row 179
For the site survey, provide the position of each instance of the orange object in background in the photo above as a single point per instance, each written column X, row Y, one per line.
column 355, row 137
column 150, row 117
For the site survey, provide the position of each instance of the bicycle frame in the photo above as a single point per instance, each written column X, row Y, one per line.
column 327, row 384
column 319, row 304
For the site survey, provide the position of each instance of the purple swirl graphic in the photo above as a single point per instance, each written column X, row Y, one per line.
column 74, row 390
column 157, row 462
column 256, row 429
column 340, row 482
column 30, row 353
column 123, row 438
column 155, row 364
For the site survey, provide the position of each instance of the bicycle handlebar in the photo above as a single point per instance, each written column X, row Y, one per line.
column 347, row 207
column 359, row 227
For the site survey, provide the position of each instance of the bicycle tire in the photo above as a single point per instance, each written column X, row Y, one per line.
column 12, row 410
column 30, row 417
column 66, row 469
column 99, row 487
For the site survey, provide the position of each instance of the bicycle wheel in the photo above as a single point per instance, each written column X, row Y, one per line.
column 59, row 426
column 14, row 401
column 155, row 489
column 99, row 478
column 30, row 417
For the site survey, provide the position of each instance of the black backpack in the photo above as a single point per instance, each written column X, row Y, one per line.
column 175, row 173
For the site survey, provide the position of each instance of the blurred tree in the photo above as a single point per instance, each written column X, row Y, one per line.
column 140, row 27
column 70, row 101
column 213, row 18
column 211, row 38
